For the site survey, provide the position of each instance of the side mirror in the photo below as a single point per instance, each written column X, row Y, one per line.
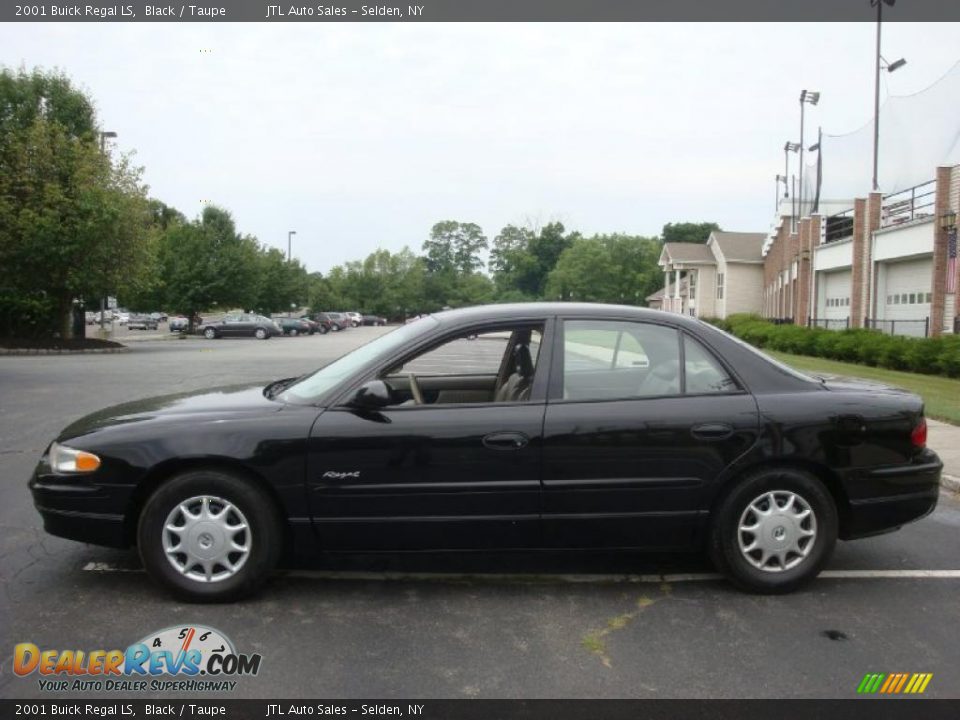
column 373, row 395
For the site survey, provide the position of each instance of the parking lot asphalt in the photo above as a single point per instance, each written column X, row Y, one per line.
column 497, row 626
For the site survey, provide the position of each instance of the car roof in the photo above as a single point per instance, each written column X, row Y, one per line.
column 507, row 311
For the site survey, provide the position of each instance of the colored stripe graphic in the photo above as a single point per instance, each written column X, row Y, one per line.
column 894, row 683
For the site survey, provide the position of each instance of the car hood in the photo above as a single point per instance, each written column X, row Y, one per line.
column 223, row 402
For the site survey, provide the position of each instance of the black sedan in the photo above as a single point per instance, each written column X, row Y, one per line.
column 242, row 325
column 558, row 426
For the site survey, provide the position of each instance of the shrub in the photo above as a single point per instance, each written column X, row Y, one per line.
column 869, row 347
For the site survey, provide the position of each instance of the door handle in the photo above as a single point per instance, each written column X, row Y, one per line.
column 712, row 431
column 505, row 440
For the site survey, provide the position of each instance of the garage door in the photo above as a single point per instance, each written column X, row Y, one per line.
column 907, row 296
column 836, row 295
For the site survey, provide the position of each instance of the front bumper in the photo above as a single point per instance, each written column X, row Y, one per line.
column 78, row 510
column 897, row 495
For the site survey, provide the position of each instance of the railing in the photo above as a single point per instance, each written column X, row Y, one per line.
column 839, row 226
column 917, row 327
column 830, row 323
column 910, row 204
column 781, row 321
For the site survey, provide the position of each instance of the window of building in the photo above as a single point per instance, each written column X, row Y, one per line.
column 720, row 280
column 929, row 297
column 913, row 298
column 692, row 285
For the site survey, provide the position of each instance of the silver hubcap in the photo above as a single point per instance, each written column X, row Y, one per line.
column 777, row 531
column 206, row 538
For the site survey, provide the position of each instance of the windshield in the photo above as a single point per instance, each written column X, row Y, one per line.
column 313, row 386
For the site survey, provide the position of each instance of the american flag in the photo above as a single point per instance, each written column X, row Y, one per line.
column 952, row 261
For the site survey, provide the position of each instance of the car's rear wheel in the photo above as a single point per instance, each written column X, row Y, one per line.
column 322, row 330
column 209, row 333
column 260, row 334
column 774, row 531
column 293, row 332
column 209, row 536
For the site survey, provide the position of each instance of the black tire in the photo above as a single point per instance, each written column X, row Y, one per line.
column 260, row 334
column 293, row 332
column 210, row 333
column 322, row 330
column 266, row 535
column 335, row 328
column 725, row 535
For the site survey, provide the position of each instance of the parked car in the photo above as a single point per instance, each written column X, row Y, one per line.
column 293, row 326
column 313, row 324
column 121, row 317
column 141, row 322
column 374, row 320
column 178, row 323
column 338, row 321
column 582, row 426
column 324, row 323
column 159, row 316
column 243, row 325
column 354, row 318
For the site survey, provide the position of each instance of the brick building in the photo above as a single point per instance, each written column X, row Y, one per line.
column 877, row 261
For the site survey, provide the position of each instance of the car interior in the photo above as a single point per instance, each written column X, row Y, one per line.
column 602, row 360
column 497, row 365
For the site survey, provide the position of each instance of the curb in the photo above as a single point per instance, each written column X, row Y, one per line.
column 58, row 351
column 950, row 482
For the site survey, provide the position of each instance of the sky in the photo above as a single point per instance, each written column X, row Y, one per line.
column 361, row 136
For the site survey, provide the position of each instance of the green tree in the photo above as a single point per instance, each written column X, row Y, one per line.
column 606, row 268
column 72, row 224
column 455, row 246
column 688, row 232
column 206, row 263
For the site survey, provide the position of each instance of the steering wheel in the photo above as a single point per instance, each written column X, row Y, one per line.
column 415, row 389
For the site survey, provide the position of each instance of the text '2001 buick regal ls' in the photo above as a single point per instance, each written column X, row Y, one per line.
column 529, row 426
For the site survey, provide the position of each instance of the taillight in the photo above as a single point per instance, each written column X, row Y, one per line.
column 918, row 438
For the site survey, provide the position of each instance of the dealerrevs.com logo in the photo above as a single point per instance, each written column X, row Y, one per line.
column 187, row 659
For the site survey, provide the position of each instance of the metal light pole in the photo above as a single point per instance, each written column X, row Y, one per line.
column 890, row 67
column 788, row 147
column 807, row 97
column 290, row 234
column 103, row 300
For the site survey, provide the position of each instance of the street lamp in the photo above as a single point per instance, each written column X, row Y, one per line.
column 806, row 98
column 290, row 234
column 890, row 67
column 103, row 139
column 788, row 147
column 104, row 134
column 948, row 221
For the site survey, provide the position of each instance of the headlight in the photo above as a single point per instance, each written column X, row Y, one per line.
column 67, row 460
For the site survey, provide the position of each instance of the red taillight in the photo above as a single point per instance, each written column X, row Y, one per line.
column 919, row 435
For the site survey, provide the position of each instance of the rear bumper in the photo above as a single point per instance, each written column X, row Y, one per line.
column 899, row 494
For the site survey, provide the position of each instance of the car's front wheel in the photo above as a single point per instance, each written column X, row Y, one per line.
column 774, row 531
column 209, row 333
column 293, row 332
column 322, row 330
column 209, row 536
column 260, row 334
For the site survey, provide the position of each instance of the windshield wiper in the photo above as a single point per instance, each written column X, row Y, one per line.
column 271, row 390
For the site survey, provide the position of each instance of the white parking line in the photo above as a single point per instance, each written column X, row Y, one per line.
column 106, row 567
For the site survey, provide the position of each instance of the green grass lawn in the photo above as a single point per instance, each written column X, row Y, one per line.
column 940, row 395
